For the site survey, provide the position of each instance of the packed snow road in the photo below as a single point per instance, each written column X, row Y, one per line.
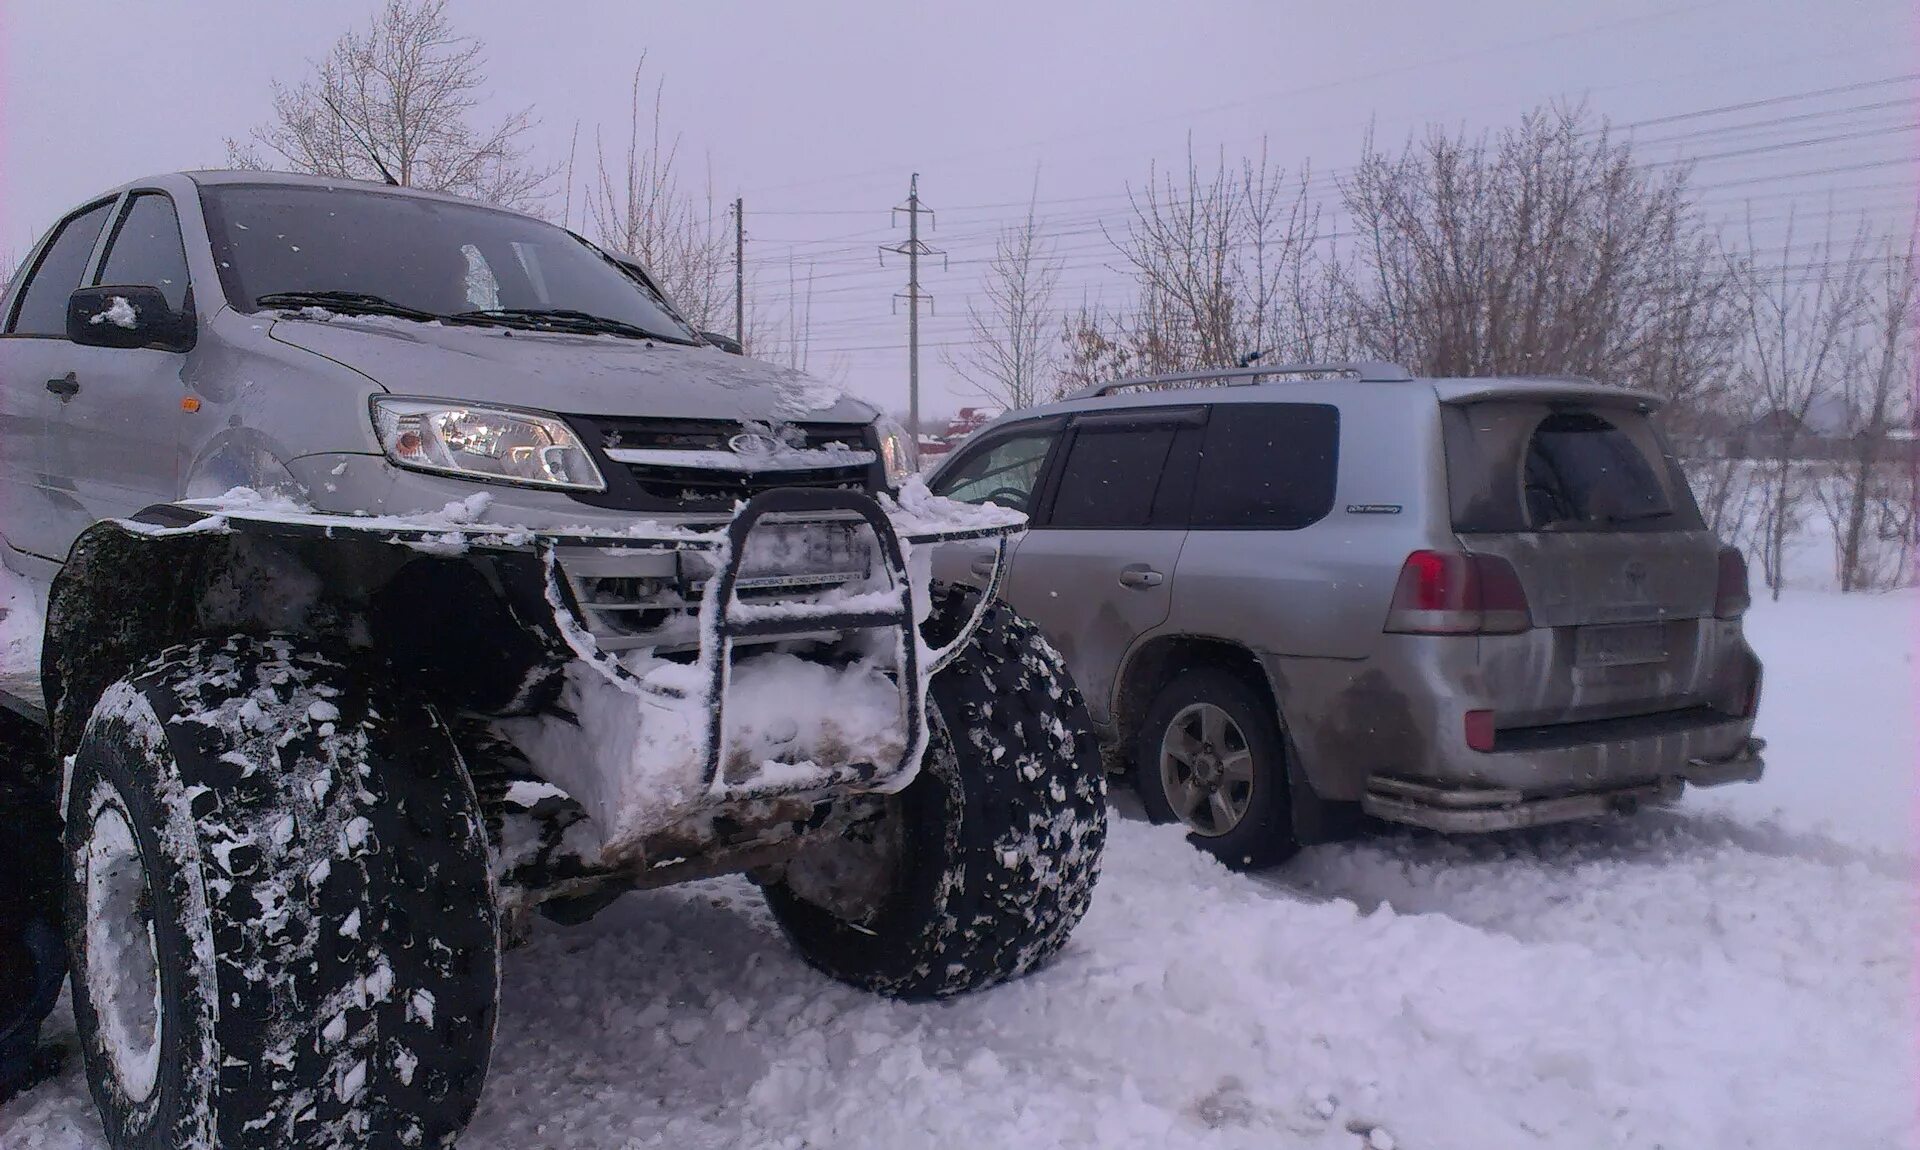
column 1712, row 976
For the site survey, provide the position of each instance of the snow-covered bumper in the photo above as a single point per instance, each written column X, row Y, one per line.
column 705, row 665
column 1468, row 809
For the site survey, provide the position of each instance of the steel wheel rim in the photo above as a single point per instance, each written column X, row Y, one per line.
column 123, row 969
column 1206, row 769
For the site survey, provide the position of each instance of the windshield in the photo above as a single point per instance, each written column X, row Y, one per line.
column 426, row 255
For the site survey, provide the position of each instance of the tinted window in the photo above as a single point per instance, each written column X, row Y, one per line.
column 1110, row 477
column 1270, row 466
column 1514, row 467
column 146, row 249
column 1582, row 469
column 430, row 255
column 1004, row 472
column 43, row 302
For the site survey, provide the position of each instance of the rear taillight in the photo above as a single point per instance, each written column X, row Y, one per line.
column 1753, row 695
column 1731, row 598
column 1452, row 593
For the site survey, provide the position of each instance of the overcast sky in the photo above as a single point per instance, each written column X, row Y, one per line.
column 817, row 113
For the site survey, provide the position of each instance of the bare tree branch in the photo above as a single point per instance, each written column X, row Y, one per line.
column 397, row 102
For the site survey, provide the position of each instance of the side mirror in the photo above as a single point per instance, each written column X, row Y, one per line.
column 127, row 316
column 725, row 343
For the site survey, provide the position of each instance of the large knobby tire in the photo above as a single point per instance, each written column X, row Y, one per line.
column 1262, row 834
column 280, row 918
column 980, row 869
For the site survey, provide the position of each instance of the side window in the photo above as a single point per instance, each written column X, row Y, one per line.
column 1269, row 466
column 1110, row 477
column 146, row 249
column 1004, row 472
column 42, row 308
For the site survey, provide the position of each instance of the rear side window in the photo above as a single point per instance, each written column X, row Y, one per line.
column 146, row 250
column 42, row 309
column 1517, row 467
column 1271, row 466
column 1110, row 477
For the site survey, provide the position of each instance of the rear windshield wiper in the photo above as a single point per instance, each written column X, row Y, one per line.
column 1638, row 516
column 561, row 319
column 344, row 302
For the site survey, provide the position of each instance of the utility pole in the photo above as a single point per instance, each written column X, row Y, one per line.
column 740, row 271
column 913, row 249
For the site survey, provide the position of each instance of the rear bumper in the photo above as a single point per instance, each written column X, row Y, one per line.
column 1455, row 809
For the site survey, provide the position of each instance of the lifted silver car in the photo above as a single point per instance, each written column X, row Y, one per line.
column 1294, row 594
column 410, row 565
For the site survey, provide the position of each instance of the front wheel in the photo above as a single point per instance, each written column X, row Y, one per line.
column 280, row 917
column 979, row 870
column 1210, row 756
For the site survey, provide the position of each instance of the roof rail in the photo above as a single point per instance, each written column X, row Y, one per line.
column 1362, row 370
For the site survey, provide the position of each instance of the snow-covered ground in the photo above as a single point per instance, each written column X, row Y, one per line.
column 1732, row 973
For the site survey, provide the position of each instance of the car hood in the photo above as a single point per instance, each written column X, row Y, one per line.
column 569, row 374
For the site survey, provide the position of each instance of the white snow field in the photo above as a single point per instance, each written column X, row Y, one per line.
column 1714, row 976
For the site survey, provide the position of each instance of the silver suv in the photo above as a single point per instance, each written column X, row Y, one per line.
column 1462, row 604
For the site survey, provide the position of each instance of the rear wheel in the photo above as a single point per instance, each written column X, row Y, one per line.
column 279, row 912
column 1210, row 756
column 979, row 870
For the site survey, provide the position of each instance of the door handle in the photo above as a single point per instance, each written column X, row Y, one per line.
column 982, row 565
column 66, row 387
column 1141, row 576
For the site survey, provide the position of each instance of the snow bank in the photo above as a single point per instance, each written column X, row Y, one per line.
column 22, row 616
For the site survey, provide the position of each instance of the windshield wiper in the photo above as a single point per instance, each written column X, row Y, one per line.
column 1638, row 516
column 344, row 302
column 561, row 319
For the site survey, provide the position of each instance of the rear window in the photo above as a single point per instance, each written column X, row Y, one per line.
column 1269, row 466
column 1519, row 467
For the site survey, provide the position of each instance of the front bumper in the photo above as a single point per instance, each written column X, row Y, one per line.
column 649, row 737
column 1471, row 809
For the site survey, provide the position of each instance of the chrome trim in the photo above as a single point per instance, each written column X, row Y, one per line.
column 792, row 459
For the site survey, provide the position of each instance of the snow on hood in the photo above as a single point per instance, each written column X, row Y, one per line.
column 567, row 373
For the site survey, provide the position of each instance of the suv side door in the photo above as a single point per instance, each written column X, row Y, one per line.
column 122, row 430
column 1005, row 467
column 40, row 513
column 1095, row 571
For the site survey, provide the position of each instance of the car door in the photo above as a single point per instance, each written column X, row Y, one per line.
column 1096, row 569
column 40, row 512
column 1004, row 467
column 122, row 426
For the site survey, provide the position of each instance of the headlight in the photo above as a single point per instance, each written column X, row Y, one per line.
column 898, row 451
column 484, row 443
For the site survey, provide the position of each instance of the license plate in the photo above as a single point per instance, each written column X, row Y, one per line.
column 798, row 556
column 1620, row 645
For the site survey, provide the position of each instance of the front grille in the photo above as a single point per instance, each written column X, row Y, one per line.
column 659, row 464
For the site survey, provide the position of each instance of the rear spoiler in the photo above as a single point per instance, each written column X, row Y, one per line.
column 1466, row 391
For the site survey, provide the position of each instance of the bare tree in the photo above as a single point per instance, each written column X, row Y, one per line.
column 1009, row 357
column 1868, row 498
column 398, row 102
column 1544, row 250
column 1225, row 264
column 1804, row 328
column 639, row 209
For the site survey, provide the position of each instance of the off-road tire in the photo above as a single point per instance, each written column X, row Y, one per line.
column 999, row 835
column 322, row 917
column 1264, row 835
